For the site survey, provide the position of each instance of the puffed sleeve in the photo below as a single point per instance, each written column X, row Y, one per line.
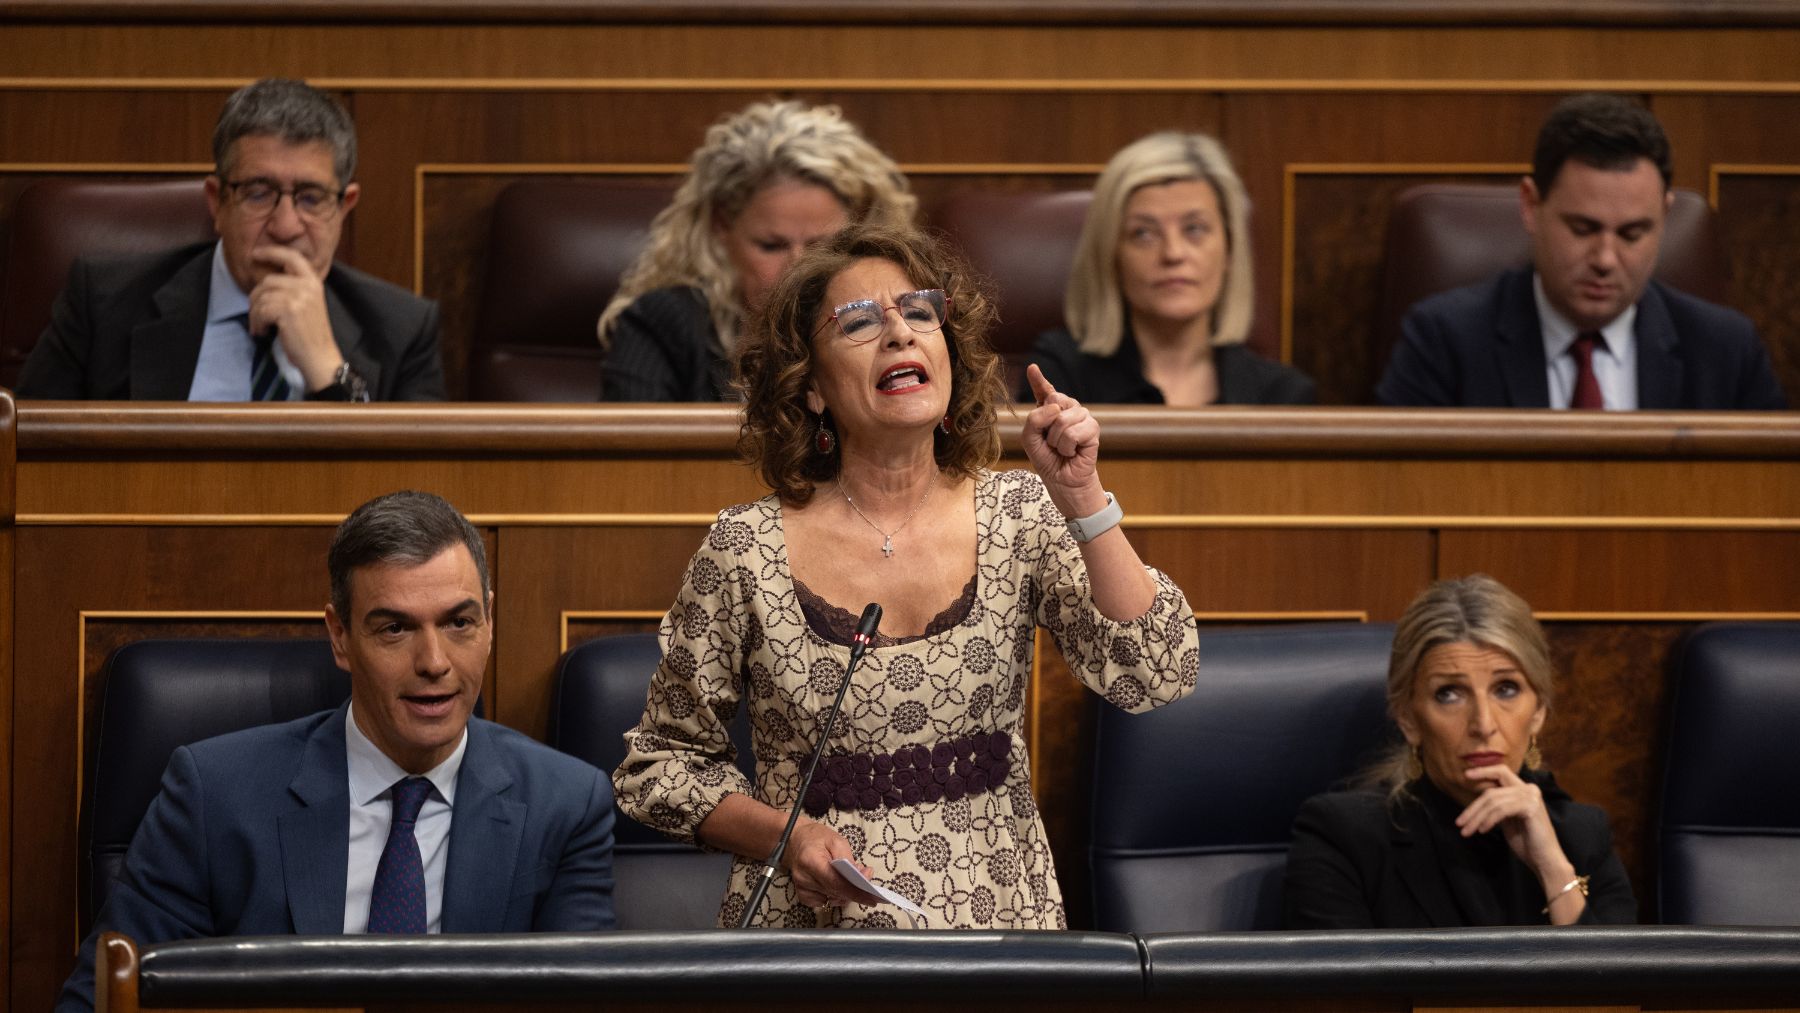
column 1136, row 665
column 679, row 760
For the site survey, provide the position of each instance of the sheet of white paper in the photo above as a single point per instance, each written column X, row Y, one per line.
column 849, row 871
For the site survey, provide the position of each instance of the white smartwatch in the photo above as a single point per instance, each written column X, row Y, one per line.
column 1086, row 529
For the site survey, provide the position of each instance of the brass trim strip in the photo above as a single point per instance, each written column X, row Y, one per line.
column 1289, row 242
column 1145, row 521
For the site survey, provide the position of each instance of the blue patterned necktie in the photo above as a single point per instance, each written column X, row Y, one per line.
column 266, row 383
column 397, row 901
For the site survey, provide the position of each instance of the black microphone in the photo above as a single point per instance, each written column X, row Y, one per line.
column 859, row 642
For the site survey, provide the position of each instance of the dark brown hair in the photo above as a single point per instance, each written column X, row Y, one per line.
column 775, row 362
column 407, row 527
column 1608, row 132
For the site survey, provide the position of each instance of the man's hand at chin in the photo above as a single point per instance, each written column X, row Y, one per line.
column 291, row 300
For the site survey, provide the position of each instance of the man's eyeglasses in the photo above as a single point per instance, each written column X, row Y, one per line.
column 261, row 196
column 862, row 320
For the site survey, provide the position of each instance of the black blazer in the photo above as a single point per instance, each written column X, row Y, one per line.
column 1244, row 376
column 1482, row 347
column 664, row 349
column 1357, row 863
column 129, row 328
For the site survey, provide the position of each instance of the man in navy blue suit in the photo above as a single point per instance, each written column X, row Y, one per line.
column 1585, row 326
column 302, row 828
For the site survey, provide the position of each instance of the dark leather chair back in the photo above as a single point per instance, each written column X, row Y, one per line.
column 161, row 694
column 556, row 250
column 1024, row 243
column 56, row 220
column 1445, row 235
column 1194, row 803
column 1729, row 833
column 600, row 691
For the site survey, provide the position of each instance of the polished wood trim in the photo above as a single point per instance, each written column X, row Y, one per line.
column 97, row 168
column 1106, row 86
column 1666, row 617
column 935, row 12
column 116, row 974
column 64, row 429
column 1290, row 174
column 634, row 614
column 332, row 520
column 1717, row 170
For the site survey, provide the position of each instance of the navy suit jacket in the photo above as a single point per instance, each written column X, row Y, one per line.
column 1482, row 347
column 250, row 836
column 129, row 329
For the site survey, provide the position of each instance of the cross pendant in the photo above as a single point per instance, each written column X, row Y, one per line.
column 887, row 546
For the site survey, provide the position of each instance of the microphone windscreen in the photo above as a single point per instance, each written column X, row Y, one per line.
column 871, row 618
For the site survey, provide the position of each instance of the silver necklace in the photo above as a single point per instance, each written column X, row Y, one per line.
column 887, row 537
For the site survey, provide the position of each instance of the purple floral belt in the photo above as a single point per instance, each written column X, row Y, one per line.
column 946, row 772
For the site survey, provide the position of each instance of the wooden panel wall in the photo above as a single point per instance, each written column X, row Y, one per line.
column 1325, row 122
column 132, row 520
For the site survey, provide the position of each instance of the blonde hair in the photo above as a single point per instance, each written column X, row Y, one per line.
column 1093, row 306
column 1478, row 610
column 743, row 153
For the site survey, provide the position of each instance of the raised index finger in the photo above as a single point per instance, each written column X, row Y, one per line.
column 1041, row 387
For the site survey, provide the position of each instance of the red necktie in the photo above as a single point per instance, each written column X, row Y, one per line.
column 1587, row 386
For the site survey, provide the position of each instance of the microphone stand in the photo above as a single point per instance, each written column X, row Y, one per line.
column 865, row 635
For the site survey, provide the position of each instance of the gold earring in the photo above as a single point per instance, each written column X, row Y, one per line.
column 1415, row 764
column 1533, row 758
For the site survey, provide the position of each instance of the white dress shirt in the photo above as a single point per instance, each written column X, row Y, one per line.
column 372, row 777
column 1615, row 366
column 223, row 370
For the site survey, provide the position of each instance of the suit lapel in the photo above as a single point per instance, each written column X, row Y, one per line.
column 1519, row 353
column 348, row 335
column 485, row 833
column 1659, row 368
column 1422, row 869
column 165, row 350
column 315, row 839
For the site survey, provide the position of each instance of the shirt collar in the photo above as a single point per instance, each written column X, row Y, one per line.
column 373, row 771
column 1559, row 333
column 224, row 299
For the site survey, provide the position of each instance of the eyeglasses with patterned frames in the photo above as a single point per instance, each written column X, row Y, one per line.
column 862, row 320
column 261, row 197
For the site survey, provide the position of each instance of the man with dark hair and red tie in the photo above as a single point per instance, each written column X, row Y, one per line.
column 1585, row 326
column 263, row 314
column 397, row 812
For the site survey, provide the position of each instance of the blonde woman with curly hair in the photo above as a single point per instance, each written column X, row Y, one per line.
column 1159, row 297
column 766, row 183
column 869, row 409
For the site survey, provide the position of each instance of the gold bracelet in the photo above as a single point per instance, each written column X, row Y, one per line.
column 1578, row 883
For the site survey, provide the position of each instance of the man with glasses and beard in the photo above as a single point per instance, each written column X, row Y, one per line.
column 262, row 314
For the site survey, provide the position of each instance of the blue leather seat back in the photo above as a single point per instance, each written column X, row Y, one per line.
column 1194, row 803
column 600, row 691
column 1729, row 832
column 162, row 694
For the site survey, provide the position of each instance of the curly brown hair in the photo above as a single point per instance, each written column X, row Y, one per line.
column 774, row 364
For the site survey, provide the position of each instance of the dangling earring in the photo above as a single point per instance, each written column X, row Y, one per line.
column 944, row 426
column 824, row 440
column 1415, row 764
column 1533, row 758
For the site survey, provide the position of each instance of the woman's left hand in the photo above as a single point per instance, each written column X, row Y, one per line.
column 1517, row 808
column 1062, row 439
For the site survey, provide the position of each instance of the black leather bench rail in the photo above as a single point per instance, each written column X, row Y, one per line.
column 678, row 966
column 1481, row 965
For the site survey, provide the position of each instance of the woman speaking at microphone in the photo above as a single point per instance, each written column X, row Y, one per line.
column 870, row 397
